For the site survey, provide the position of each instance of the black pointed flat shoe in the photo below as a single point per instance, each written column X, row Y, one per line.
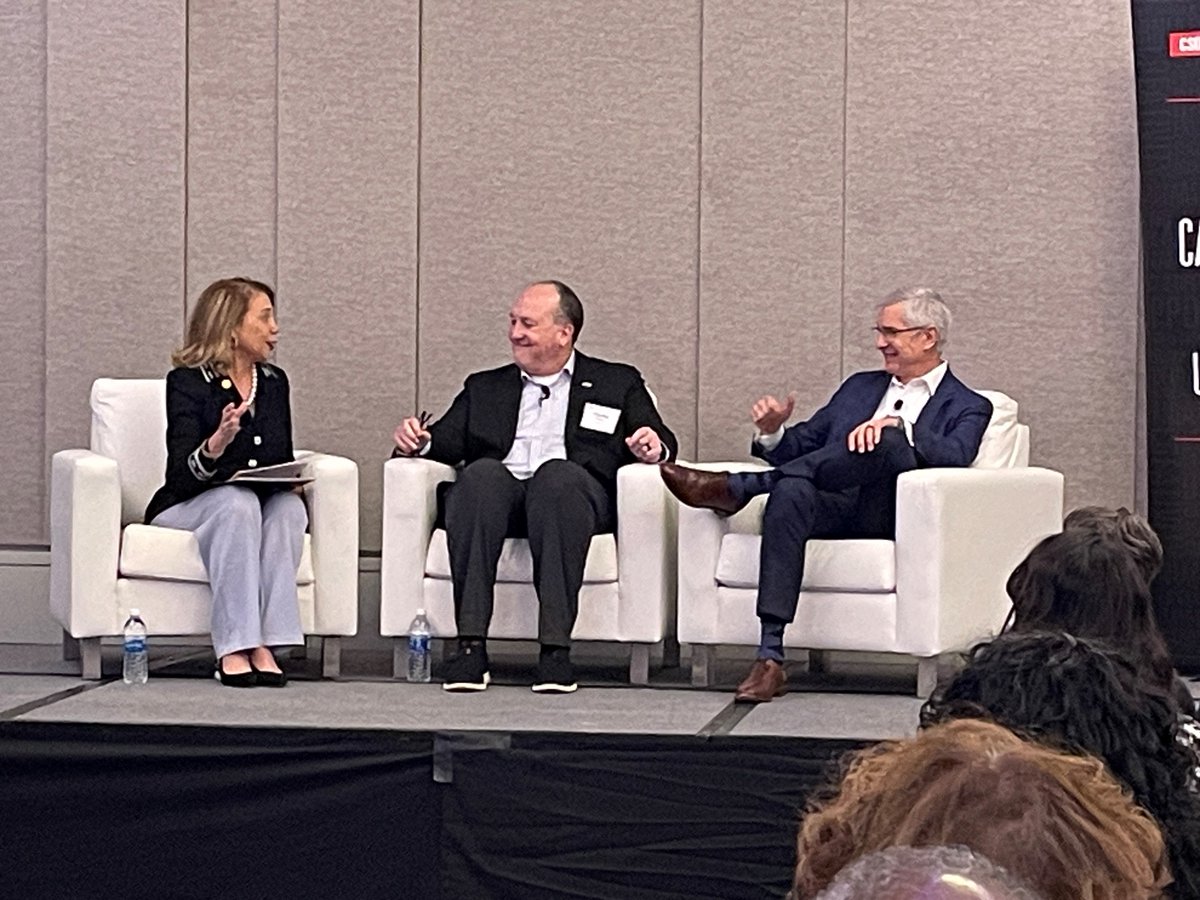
column 269, row 679
column 240, row 680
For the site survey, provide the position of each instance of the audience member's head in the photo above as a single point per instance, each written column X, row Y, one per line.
column 1086, row 583
column 1088, row 698
column 1055, row 820
column 1131, row 529
column 925, row 873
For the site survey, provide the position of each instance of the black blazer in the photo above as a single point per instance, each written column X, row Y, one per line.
column 482, row 421
column 195, row 398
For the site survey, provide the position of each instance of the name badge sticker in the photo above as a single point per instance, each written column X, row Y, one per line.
column 600, row 418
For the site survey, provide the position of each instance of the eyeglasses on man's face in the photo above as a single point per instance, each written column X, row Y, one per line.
column 890, row 333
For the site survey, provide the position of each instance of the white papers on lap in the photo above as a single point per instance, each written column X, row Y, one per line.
column 283, row 473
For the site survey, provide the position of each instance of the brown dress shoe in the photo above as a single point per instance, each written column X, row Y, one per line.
column 767, row 679
column 705, row 490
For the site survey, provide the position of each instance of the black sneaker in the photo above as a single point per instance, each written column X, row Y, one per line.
column 467, row 670
column 555, row 674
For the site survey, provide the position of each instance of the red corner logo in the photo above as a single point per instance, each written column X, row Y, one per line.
column 1185, row 43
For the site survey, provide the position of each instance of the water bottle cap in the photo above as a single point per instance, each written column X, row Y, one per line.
column 420, row 612
column 134, row 611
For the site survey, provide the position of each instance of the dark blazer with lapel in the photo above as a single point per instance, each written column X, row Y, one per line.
column 195, row 398
column 947, row 433
column 482, row 421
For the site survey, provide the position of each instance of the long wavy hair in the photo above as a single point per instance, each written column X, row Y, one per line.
column 1131, row 529
column 1085, row 697
column 1055, row 820
column 1086, row 583
column 217, row 313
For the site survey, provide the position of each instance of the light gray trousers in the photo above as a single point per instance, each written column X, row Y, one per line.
column 251, row 549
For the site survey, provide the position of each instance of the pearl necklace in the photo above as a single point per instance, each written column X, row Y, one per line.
column 253, row 386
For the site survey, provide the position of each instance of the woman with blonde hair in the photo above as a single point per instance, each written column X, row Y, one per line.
column 228, row 409
column 1057, row 821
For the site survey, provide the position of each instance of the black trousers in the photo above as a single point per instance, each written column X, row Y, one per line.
column 558, row 510
column 829, row 493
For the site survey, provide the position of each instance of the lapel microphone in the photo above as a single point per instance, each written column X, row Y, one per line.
column 545, row 393
column 896, row 408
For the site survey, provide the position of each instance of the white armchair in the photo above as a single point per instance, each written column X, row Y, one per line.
column 104, row 561
column 628, row 593
column 937, row 588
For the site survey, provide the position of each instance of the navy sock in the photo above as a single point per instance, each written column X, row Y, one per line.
column 770, row 646
column 744, row 485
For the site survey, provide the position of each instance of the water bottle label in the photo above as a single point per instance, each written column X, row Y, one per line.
column 135, row 645
column 418, row 643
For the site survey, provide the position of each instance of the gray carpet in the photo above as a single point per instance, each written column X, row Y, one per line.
column 425, row 707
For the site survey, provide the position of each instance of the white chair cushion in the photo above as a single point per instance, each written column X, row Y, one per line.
column 998, row 448
column 854, row 565
column 516, row 562
column 173, row 554
column 129, row 424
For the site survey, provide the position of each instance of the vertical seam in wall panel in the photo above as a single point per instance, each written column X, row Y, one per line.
column 699, row 216
column 845, row 142
column 44, row 493
column 416, row 341
column 275, row 228
column 187, row 140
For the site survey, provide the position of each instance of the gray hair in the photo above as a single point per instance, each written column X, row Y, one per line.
column 922, row 306
column 934, row 873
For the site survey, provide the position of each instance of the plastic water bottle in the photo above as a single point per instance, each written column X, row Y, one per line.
column 419, row 655
column 135, row 667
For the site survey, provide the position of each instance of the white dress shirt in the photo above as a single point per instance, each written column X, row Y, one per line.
column 903, row 401
column 541, row 421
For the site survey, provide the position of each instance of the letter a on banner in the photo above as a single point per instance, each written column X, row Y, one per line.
column 1166, row 37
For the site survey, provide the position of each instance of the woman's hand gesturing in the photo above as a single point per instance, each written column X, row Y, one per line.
column 231, row 424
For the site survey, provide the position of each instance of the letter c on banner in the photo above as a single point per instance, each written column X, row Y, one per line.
column 1187, row 258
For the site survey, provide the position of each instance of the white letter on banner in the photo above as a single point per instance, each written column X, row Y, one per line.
column 1196, row 372
column 1187, row 258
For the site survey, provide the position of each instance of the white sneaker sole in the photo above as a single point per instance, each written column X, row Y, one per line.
column 462, row 687
column 550, row 688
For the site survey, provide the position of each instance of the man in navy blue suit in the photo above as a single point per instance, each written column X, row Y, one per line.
column 835, row 474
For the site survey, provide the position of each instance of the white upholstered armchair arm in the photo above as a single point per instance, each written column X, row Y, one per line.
column 85, row 542
column 332, row 500
column 409, row 513
column 959, row 534
column 646, row 555
column 700, row 534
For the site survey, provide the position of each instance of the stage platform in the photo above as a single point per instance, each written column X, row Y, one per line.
column 366, row 787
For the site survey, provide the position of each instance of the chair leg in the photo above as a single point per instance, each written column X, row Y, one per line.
column 310, row 647
column 70, row 646
column 639, row 664
column 927, row 676
column 703, row 657
column 331, row 657
column 818, row 662
column 670, row 652
column 90, row 655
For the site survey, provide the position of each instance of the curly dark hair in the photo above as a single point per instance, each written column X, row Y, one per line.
column 1086, row 583
column 1083, row 696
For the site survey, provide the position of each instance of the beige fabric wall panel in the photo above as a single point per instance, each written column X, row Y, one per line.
column 559, row 140
column 993, row 158
column 347, row 228
column 22, row 269
column 771, row 213
column 231, row 142
column 115, row 108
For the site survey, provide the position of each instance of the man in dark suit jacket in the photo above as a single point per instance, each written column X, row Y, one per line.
column 540, row 440
column 835, row 474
